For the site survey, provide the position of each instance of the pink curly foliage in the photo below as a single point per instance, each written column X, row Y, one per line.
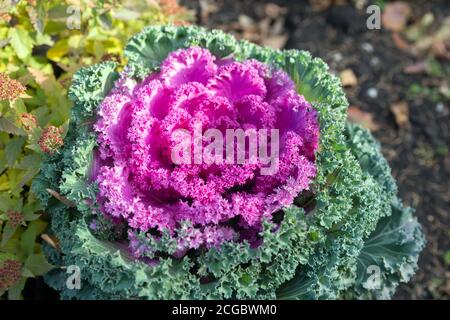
column 138, row 181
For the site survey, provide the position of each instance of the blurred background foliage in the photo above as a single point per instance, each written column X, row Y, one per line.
column 42, row 43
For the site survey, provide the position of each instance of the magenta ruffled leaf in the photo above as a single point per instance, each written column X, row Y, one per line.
column 137, row 124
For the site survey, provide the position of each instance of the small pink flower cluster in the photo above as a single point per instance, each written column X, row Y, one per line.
column 28, row 121
column 10, row 273
column 15, row 218
column 10, row 89
column 51, row 139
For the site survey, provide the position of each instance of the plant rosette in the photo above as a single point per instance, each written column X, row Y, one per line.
column 214, row 168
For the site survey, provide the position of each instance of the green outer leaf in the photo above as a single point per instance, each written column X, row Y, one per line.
column 9, row 127
column 13, row 150
column 6, row 256
column 37, row 264
column 394, row 248
column 339, row 268
column 8, row 232
column 28, row 239
column 5, row 202
column 89, row 87
column 14, row 293
column 21, row 41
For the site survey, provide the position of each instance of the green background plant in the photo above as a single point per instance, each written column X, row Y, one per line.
column 42, row 44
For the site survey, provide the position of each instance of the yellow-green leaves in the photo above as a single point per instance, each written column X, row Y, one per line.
column 19, row 229
column 10, row 89
column 59, row 50
column 28, row 239
column 37, row 264
column 37, row 15
column 54, row 92
column 13, row 150
column 21, row 41
column 10, row 209
column 8, row 126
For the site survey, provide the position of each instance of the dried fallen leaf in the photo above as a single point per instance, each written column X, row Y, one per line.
column 276, row 42
column 5, row 17
column 348, row 78
column 396, row 15
column 444, row 89
column 365, row 119
column 399, row 42
column 51, row 241
column 264, row 27
column 206, row 8
column 420, row 28
column 278, row 26
column 61, row 198
column 438, row 42
column 268, row 31
column 417, row 68
column 440, row 49
column 401, row 114
column 320, row 5
column 246, row 22
column 274, row 11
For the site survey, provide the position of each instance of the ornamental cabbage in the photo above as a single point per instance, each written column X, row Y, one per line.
column 309, row 212
column 136, row 128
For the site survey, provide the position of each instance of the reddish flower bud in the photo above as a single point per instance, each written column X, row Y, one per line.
column 10, row 273
column 29, row 122
column 5, row 17
column 15, row 218
column 111, row 57
column 10, row 89
column 171, row 7
column 51, row 140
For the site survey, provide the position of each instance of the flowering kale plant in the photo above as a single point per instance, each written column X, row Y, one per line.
column 214, row 168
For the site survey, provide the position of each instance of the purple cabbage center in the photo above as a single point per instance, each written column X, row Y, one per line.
column 142, row 187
